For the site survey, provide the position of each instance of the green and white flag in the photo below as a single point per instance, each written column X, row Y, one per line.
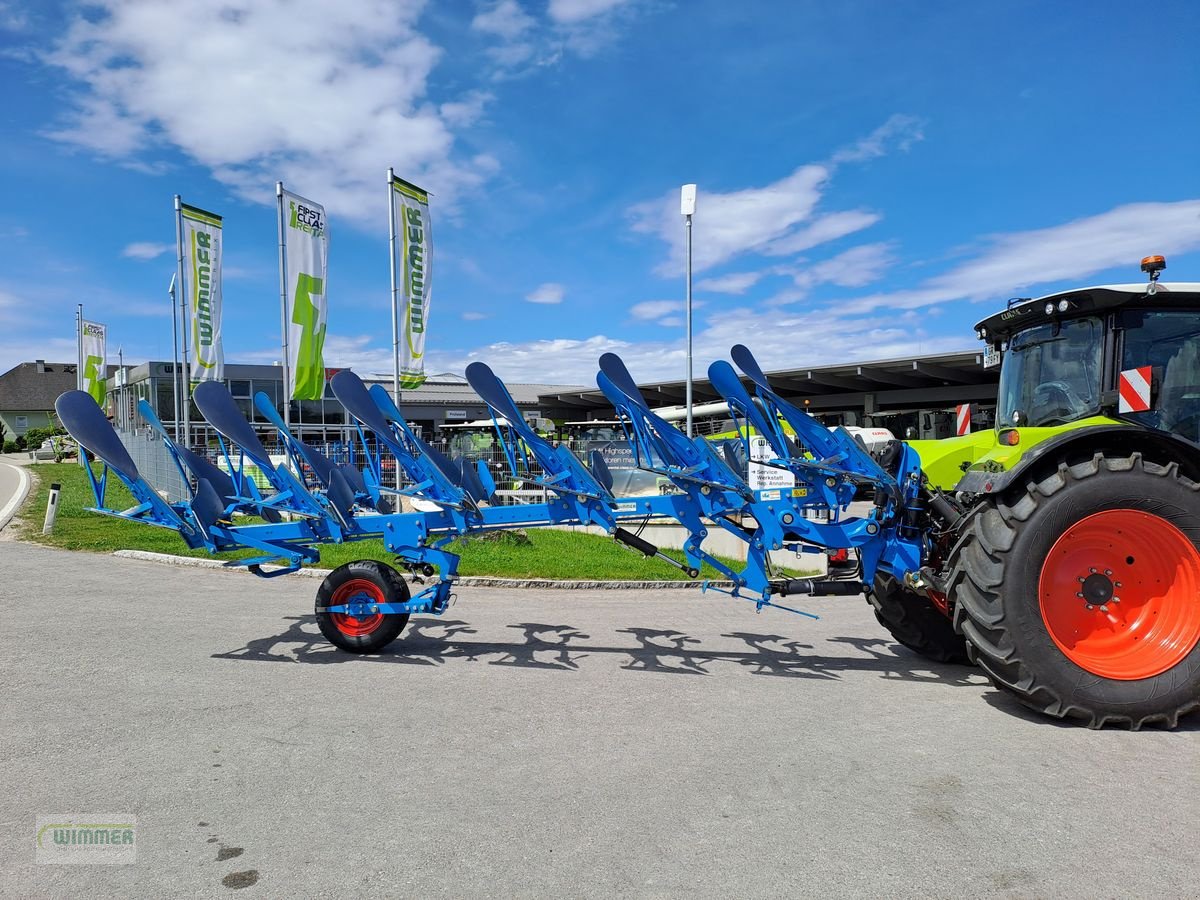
column 200, row 248
column 305, row 236
column 413, row 246
column 95, row 360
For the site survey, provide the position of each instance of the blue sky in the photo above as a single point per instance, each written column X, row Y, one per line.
column 874, row 177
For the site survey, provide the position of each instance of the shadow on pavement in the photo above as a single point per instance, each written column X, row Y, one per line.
column 563, row 647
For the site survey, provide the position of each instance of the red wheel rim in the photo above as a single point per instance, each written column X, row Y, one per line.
column 1120, row 594
column 349, row 625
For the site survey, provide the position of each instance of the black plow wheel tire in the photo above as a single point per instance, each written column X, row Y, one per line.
column 1079, row 591
column 915, row 622
column 366, row 581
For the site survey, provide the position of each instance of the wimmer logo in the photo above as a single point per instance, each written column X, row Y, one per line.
column 87, row 839
column 306, row 219
column 202, row 269
column 416, row 270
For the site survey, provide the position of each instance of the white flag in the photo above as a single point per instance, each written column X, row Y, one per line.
column 410, row 209
column 306, row 255
column 95, row 360
column 200, row 234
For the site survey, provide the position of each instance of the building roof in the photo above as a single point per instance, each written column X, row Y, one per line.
column 441, row 390
column 24, row 388
column 900, row 381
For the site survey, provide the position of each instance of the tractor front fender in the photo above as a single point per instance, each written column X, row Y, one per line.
column 1082, row 443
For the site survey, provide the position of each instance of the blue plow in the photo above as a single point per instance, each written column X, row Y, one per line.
column 283, row 509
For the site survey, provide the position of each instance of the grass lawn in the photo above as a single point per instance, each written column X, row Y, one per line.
column 550, row 553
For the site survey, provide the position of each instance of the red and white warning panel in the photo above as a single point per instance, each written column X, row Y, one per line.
column 963, row 416
column 1134, row 390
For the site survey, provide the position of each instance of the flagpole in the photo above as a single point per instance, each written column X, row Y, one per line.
column 687, row 206
column 174, row 356
column 391, row 175
column 185, row 329
column 79, row 361
column 283, row 316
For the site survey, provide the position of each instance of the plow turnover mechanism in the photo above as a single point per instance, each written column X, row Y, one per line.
column 1058, row 551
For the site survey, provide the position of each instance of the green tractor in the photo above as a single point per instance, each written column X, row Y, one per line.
column 1067, row 540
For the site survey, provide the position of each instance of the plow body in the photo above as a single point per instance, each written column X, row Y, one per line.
column 310, row 501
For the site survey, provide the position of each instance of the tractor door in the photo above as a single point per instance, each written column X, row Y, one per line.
column 1167, row 343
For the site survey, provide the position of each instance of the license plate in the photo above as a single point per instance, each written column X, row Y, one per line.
column 991, row 356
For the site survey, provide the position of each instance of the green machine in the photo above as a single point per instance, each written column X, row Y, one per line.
column 1067, row 539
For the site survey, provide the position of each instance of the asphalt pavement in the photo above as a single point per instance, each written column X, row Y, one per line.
column 548, row 744
column 14, row 486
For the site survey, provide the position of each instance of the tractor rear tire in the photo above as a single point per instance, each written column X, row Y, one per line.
column 915, row 622
column 1079, row 591
column 368, row 581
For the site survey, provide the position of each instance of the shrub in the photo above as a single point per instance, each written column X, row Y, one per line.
column 11, row 447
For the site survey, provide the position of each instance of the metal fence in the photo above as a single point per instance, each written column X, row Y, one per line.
column 154, row 462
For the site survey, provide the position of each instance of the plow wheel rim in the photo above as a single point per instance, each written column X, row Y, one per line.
column 349, row 625
column 1120, row 594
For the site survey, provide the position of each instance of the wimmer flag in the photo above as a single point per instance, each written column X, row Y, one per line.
column 304, row 238
column 200, row 256
column 411, row 248
column 95, row 360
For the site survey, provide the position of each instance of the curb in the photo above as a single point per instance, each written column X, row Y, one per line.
column 10, row 508
column 192, row 562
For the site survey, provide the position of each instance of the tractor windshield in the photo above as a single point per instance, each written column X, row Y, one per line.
column 1051, row 374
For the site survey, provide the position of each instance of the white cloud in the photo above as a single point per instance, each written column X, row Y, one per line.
column 821, row 230
column 649, row 310
column 574, row 361
column 145, row 250
column 472, row 316
column 1011, row 263
column 768, row 220
column 322, row 96
column 466, row 111
column 726, row 225
column 899, row 131
column 734, row 283
column 570, row 12
column 855, row 267
column 504, row 19
column 547, row 293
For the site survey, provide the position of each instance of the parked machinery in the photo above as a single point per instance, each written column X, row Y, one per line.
column 1058, row 551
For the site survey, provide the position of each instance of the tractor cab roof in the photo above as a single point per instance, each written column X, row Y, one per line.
column 1074, row 304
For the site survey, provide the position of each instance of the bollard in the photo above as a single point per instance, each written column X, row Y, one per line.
column 51, row 508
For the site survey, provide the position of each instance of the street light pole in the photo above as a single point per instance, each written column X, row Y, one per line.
column 687, row 206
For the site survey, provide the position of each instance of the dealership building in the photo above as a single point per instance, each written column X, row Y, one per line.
column 910, row 395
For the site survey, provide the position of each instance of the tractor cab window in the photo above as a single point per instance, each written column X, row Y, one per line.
column 1051, row 374
column 1168, row 342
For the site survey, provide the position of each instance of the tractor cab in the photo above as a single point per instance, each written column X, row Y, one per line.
column 1112, row 356
column 1119, row 353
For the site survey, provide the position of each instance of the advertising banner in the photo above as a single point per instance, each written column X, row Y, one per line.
column 200, row 248
column 413, row 247
column 306, row 256
column 95, row 360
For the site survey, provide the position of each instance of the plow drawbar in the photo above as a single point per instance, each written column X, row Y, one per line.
column 293, row 507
